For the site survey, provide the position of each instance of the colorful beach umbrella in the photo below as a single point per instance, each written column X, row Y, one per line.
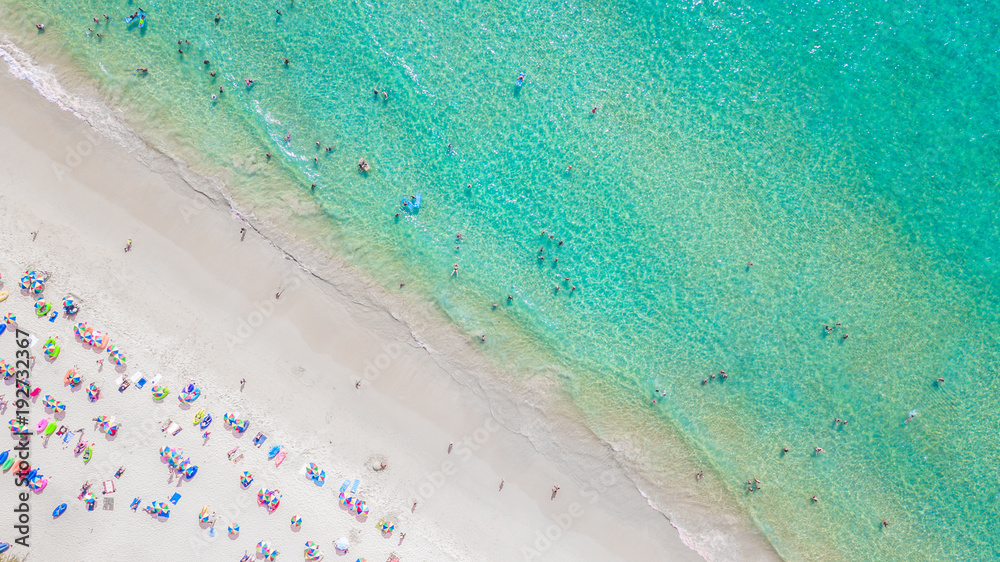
column 234, row 529
column 26, row 283
column 189, row 394
column 361, row 509
column 69, row 305
column 296, row 521
column 16, row 427
column 37, row 286
column 80, row 329
column 246, row 479
column 50, row 349
column 9, row 318
column 160, row 392
column 6, row 369
column 100, row 340
column 42, row 307
column 93, row 392
column 203, row 516
column 72, row 378
column 263, row 548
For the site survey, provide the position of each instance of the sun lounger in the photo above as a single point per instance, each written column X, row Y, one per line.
column 109, row 486
column 135, row 504
column 354, row 488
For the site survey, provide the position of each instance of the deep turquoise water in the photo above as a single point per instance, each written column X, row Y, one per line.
column 849, row 150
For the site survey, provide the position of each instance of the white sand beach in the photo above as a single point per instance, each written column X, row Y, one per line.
column 191, row 302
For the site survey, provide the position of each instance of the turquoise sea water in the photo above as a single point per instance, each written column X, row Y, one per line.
column 848, row 149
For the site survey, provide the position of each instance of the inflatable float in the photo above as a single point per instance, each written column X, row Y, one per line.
column 4, row 295
column 59, row 510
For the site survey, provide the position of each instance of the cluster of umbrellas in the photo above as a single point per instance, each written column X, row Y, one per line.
column 105, row 426
column 53, row 404
column 246, row 479
column 234, row 529
column 315, row 474
column 264, row 549
column 190, row 393
column 90, row 336
column 33, row 281
column 16, row 427
column 312, row 551
column 235, row 422
column 50, row 349
column 270, row 499
column 354, row 504
column 6, row 369
column 160, row 509
column 42, row 307
column 93, row 392
column 72, row 378
column 116, row 356
column 160, row 392
column 173, row 458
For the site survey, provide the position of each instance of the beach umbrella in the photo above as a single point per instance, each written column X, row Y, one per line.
column 234, row 529
column 50, row 349
column 16, row 427
column 111, row 430
column 246, row 479
column 69, row 305
column 361, row 509
column 80, row 329
column 203, row 516
column 93, row 393
column 272, row 556
column 6, row 369
column 189, row 396
column 72, row 378
column 26, row 283
column 296, row 521
column 42, row 307
column 342, row 544
column 160, row 392
column 9, row 318
column 100, row 341
column 263, row 548
column 37, row 286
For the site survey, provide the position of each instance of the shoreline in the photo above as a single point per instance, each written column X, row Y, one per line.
column 395, row 325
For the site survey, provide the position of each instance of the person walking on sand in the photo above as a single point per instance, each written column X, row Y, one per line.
column 243, row 233
column 501, row 485
column 450, row 445
column 128, row 245
column 555, row 490
column 243, row 383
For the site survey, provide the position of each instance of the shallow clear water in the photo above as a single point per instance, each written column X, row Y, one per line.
column 849, row 150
